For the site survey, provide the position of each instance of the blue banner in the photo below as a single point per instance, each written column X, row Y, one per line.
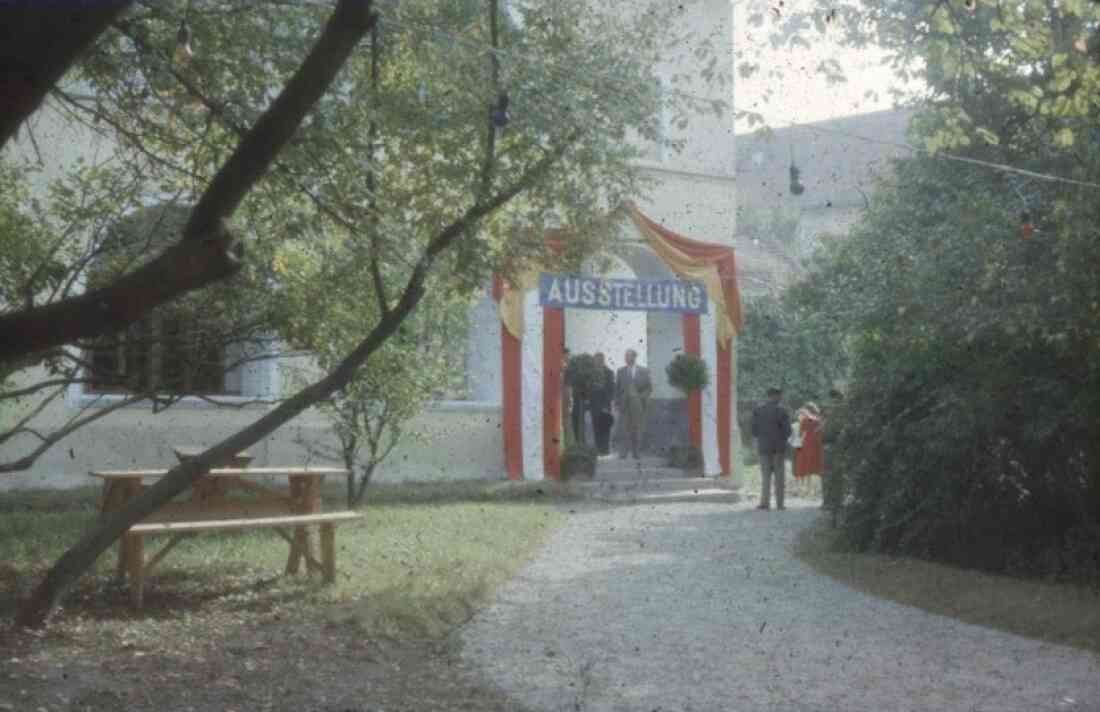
column 575, row 292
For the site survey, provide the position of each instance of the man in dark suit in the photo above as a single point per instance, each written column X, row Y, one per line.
column 632, row 390
column 599, row 406
column 771, row 426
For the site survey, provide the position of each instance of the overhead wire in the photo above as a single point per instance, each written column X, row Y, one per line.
column 566, row 74
column 1004, row 167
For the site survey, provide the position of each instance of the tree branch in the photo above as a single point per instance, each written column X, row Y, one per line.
column 20, row 427
column 184, row 267
column 372, row 144
column 350, row 22
column 76, row 560
column 50, row 440
column 491, row 129
column 206, row 252
column 39, row 41
column 49, row 383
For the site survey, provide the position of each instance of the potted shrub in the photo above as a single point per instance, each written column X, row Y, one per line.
column 686, row 457
column 584, row 373
column 578, row 461
column 688, row 374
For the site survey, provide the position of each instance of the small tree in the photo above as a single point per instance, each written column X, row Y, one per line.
column 370, row 416
column 361, row 417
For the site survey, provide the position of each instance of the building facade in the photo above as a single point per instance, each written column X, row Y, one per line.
column 839, row 161
column 457, row 439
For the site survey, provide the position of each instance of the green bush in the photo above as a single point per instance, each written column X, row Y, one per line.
column 579, row 461
column 792, row 344
column 688, row 373
column 686, row 457
column 585, row 373
column 970, row 432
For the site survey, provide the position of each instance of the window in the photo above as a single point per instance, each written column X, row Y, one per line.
column 164, row 355
column 204, row 344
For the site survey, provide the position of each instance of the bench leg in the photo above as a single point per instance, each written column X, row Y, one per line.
column 299, row 548
column 114, row 498
column 123, row 559
column 135, row 565
column 328, row 551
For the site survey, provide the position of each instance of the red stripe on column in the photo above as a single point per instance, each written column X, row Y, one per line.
column 725, row 406
column 695, row 400
column 553, row 344
column 511, row 404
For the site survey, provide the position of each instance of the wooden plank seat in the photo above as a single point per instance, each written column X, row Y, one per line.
column 137, row 568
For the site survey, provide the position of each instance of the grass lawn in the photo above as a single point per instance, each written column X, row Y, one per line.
column 1052, row 612
column 420, row 563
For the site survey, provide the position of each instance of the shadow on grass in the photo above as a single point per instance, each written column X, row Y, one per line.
column 420, row 559
column 1053, row 612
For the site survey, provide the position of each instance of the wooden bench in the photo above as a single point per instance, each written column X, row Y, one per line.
column 137, row 568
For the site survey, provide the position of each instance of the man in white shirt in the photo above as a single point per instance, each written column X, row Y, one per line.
column 632, row 390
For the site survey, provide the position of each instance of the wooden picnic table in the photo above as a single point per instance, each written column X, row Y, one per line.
column 210, row 501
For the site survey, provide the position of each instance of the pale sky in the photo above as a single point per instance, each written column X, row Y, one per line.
column 801, row 94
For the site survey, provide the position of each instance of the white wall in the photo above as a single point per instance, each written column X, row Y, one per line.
column 612, row 333
column 483, row 357
column 58, row 143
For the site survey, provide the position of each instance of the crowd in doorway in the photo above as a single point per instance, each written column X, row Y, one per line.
column 775, row 434
column 593, row 393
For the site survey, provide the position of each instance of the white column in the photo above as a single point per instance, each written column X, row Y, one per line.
column 737, row 462
column 531, row 387
column 708, row 347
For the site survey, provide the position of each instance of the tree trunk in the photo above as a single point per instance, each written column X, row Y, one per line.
column 78, row 559
column 74, row 562
column 205, row 252
column 364, row 480
column 39, row 41
column 349, row 465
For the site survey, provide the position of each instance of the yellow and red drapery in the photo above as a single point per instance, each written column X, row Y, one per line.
column 532, row 341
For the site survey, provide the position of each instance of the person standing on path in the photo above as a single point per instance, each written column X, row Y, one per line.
column 809, row 458
column 599, row 406
column 771, row 426
column 578, row 399
column 632, row 390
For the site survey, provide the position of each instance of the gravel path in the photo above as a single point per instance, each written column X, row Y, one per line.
column 692, row 606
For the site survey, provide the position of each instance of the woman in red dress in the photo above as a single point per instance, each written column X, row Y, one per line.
column 809, row 459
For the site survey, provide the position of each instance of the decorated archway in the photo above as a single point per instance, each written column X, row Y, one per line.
column 532, row 340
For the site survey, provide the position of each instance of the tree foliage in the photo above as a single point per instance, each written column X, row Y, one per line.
column 790, row 343
column 386, row 161
column 969, row 429
column 970, row 425
column 420, row 363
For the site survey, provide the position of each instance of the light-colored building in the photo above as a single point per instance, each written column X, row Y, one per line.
column 694, row 196
column 839, row 162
